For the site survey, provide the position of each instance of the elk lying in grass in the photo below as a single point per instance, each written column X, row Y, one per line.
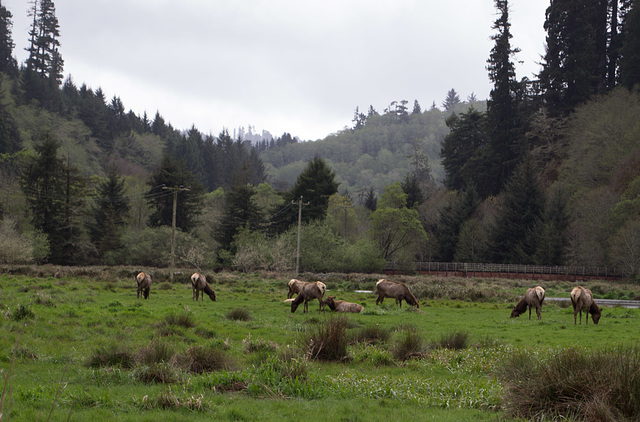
column 342, row 306
column 582, row 299
column 144, row 284
column 532, row 298
column 309, row 292
column 295, row 287
column 198, row 284
column 396, row 290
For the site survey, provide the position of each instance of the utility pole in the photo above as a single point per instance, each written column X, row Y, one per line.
column 299, row 231
column 175, row 190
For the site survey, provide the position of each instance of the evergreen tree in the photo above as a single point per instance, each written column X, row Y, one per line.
column 370, row 200
column 451, row 220
column 574, row 66
column 411, row 186
column 44, row 57
column 10, row 141
column 169, row 176
column 314, row 186
column 512, row 237
column 551, row 231
column 54, row 192
column 630, row 50
column 465, row 140
column 239, row 211
column 504, row 128
column 109, row 214
column 7, row 62
column 451, row 100
column 416, row 108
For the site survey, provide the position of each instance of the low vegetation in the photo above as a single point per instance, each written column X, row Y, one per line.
column 90, row 348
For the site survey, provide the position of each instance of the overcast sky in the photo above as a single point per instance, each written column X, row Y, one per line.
column 300, row 66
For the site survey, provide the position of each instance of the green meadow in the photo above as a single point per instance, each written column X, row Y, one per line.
column 83, row 347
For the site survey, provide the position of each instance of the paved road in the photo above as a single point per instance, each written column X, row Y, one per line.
column 602, row 302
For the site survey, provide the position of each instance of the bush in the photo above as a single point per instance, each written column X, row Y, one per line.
column 597, row 385
column 327, row 341
column 111, row 355
column 409, row 344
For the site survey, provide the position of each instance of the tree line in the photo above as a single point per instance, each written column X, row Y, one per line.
column 505, row 190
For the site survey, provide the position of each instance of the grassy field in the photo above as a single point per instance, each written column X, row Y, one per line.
column 74, row 347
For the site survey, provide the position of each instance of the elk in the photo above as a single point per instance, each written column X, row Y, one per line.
column 582, row 299
column 342, row 306
column 144, row 284
column 532, row 298
column 396, row 290
column 295, row 287
column 199, row 283
column 309, row 292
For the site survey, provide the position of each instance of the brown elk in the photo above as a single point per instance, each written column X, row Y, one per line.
column 144, row 284
column 582, row 299
column 295, row 287
column 532, row 298
column 198, row 284
column 309, row 292
column 342, row 306
column 396, row 290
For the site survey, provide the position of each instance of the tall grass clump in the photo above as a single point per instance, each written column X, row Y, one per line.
column 184, row 319
column 600, row 385
column 201, row 359
column 327, row 341
column 410, row 344
column 239, row 314
column 371, row 334
column 111, row 355
column 156, row 351
column 456, row 341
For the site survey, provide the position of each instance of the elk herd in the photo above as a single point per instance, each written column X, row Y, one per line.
column 305, row 291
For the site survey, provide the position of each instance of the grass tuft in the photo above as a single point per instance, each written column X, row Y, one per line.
column 456, row 341
column 600, row 385
column 200, row 359
column 22, row 312
column 184, row 319
column 239, row 314
column 111, row 355
column 157, row 373
column 157, row 351
column 410, row 344
column 371, row 334
column 327, row 341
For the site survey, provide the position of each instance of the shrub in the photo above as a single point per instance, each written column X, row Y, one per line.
column 239, row 314
column 586, row 385
column 327, row 341
column 456, row 341
column 111, row 355
column 409, row 344
column 200, row 359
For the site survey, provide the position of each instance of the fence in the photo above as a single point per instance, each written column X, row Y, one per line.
column 466, row 269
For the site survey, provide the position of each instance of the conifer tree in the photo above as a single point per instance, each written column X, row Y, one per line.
column 239, row 211
column 7, row 62
column 512, row 238
column 109, row 214
column 630, row 50
column 504, row 128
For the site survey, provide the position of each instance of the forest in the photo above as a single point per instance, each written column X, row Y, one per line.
column 544, row 171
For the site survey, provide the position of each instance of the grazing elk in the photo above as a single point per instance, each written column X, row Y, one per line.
column 582, row 299
column 309, row 292
column 144, row 284
column 342, row 306
column 295, row 287
column 396, row 290
column 199, row 283
column 532, row 298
